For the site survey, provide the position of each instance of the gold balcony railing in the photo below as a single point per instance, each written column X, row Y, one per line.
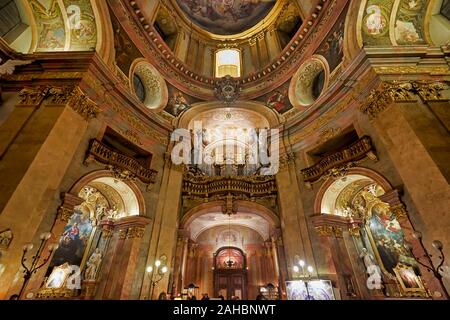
column 355, row 152
column 105, row 155
column 251, row 186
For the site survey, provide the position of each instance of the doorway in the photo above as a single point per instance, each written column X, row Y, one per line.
column 230, row 273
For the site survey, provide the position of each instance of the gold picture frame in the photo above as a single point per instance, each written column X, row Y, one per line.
column 58, row 277
column 410, row 283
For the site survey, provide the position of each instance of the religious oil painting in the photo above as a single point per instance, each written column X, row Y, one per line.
column 58, row 277
column 310, row 290
column 226, row 17
column 388, row 238
column 409, row 281
column 73, row 241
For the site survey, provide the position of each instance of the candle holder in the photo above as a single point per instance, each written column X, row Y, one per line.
column 156, row 273
column 30, row 270
column 429, row 265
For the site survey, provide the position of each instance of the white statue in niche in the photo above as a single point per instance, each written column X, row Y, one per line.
column 93, row 265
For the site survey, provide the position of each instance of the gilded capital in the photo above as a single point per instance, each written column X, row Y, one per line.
column 389, row 92
column 33, row 96
column 135, row 233
column 396, row 91
column 329, row 231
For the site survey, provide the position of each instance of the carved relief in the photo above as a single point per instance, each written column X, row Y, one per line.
column 6, row 238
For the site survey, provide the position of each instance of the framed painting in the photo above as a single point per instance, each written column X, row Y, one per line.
column 410, row 282
column 58, row 277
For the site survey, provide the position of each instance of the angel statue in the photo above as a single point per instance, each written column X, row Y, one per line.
column 374, row 280
column 93, row 265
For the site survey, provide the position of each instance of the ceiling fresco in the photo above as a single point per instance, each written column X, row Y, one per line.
column 226, row 17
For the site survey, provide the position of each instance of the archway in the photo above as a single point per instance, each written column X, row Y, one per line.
column 365, row 202
column 232, row 256
column 100, row 203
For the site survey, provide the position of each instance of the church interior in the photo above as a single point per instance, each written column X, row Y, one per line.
column 224, row 149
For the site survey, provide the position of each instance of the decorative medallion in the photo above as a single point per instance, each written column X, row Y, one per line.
column 227, row 90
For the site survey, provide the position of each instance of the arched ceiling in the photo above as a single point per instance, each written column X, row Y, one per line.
column 215, row 219
column 226, row 17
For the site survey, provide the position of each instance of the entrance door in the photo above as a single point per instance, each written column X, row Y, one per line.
column 230, row 273
column 231, row 284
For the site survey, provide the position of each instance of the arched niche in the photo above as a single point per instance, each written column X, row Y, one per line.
column 129, row 192
column 437, row 25
column 82, row 25
column 102, row 198
column 359, row 195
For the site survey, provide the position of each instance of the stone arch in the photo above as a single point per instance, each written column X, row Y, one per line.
column 249, row 106
column 358, row 171
column 243, row 207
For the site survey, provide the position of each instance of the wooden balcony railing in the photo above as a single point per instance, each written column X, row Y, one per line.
column 355, row 152
column 105, row 155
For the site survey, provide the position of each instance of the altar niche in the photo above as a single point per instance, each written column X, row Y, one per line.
column 230, row 273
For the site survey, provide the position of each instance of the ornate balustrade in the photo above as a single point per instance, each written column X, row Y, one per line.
column 254, row 186
column 357, row 151
column 128, row 166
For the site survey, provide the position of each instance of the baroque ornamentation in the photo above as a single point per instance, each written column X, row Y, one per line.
column 389, row 92
column 328, row 134
column 6, row 238
column 122, row 166
column 329, row 231
column 9, row 66
column 337, row 164
column 64, row 214
column 135, row 233
column 227, row 89
column 33, row 96
column 71, row 95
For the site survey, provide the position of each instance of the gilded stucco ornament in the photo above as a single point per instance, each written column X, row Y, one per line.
column 6, row 238
column 227, row 90
column 329, row 231
column 71, row 95
column 64, row 214
column 395, row 91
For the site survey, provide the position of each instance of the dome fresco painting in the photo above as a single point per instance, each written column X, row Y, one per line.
column 226, row 17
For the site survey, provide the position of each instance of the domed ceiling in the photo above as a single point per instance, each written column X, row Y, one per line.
column 226, row 17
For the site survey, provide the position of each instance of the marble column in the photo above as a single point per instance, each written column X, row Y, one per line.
column 32, row 165
column 418, row 145
column 165, row 226
column 294, row 225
